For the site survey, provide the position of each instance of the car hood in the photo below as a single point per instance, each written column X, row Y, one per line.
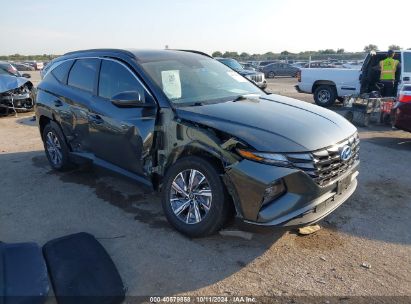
column 248, row 72
column 273, row 123
column 9, row 82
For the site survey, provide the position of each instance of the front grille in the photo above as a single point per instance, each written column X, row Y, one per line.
column 257, row 78
column 326, row 165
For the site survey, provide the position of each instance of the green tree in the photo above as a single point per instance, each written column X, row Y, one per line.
column 340, row 51
column 370, row 47
column 394, row 47
column 230, row 55
column 244, row 56
column 327, row 51
column 285, row 53
column 269, row 55
column 217, row 54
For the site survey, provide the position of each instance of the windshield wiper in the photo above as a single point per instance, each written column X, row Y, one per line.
column 189, row 104
column 246, row 96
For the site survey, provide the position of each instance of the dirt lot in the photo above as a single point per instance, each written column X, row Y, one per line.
column 373, row 227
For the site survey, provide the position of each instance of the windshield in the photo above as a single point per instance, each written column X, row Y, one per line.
column 188, row 78
column 234, row 64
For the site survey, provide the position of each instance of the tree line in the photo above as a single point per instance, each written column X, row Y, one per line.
column 315, row 55
column 18, row 57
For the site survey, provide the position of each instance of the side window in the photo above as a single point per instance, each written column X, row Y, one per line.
column 407, row 62
column 115, row 78
column 83, row 74
column 61, row 71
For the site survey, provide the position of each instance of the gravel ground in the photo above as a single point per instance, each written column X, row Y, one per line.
column 363, row 249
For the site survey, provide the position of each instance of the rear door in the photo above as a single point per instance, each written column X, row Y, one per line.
column 81, row 84
column 121, row 136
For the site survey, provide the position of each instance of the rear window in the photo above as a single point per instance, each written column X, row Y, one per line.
column 407, row 62
column 83, row 74
column 61, row 71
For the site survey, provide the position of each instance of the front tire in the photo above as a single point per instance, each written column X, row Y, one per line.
column 194, row 198
column 56, row 148
column 271, row 75
column 325, row 95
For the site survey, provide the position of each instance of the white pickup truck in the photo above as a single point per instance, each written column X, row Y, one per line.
column 328, row 85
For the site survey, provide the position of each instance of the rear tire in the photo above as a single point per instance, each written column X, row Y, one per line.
column 56, row 148
column 325, row 95
column 195, row 215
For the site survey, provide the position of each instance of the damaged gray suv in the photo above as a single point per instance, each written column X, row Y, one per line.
column 204, row 136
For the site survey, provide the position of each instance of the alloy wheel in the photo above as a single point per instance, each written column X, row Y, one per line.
column 190, row 196
column 324, row 96
column 53, row 148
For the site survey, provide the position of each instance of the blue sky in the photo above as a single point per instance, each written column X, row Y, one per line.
column 259, row 26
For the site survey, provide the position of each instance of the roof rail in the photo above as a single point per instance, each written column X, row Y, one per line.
column 192, row 51
column 101, row 50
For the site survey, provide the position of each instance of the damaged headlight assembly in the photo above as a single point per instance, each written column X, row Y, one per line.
column 274, row 159
column 277, row 188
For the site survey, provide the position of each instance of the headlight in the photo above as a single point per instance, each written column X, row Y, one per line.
column 267, row 158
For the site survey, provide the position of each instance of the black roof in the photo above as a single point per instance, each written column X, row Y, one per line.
column 139, row 55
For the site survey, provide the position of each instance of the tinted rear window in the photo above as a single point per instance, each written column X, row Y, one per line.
column 61, row 71
column 407, row 62
column 83, row 74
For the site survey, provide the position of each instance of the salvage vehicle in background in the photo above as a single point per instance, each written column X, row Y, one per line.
column 402, row 109
column 329, row 84
column 22, row 67
column 16, row 92
column 279, row 69
column 7, row 68
column 257, row 77
column 210, row 140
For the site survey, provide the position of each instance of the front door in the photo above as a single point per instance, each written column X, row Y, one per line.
column 120, row 136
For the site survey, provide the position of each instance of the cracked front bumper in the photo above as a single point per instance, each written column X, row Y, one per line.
column 304, row 201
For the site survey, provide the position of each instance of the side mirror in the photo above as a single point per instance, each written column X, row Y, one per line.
column 129, row 99
column 25, row 75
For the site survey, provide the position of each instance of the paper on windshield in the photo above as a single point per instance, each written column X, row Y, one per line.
column 236, row 76
column 171, row 83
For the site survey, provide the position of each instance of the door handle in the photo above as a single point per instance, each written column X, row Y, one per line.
column 96, row 118
column 58, row 103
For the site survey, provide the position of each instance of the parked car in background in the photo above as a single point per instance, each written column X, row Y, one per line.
column 208, row 139
column 23, row 67
column 248, row 66
column 36, row 65
column 279, row 69
column 263, row 63
column 257, row 77
column 329, row 84
column 298, row 65
column 318, row 65
column 353, row 65
column 402, row 109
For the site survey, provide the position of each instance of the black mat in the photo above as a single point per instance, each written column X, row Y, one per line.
column 81, row 271
column 23, row 274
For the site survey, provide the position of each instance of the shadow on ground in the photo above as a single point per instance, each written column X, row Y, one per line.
column 40, row 204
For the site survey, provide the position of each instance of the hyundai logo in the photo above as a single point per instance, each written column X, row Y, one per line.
column 346, row 153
